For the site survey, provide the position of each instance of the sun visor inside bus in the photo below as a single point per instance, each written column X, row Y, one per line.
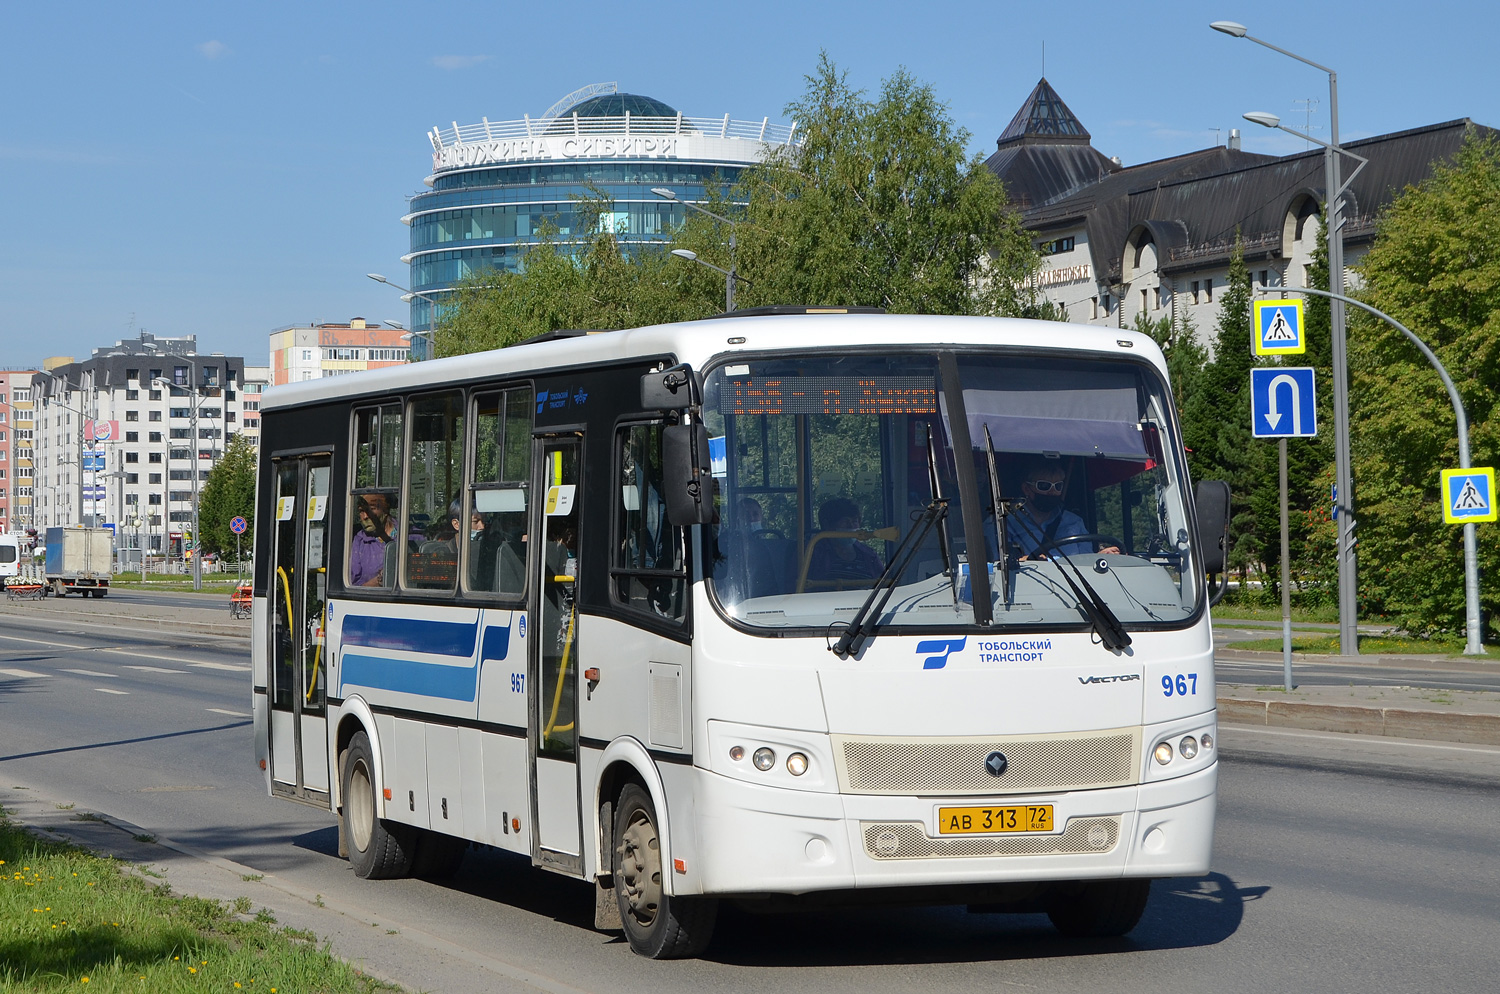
column 1065, row 436
column 492, row 501
column 1071, row 419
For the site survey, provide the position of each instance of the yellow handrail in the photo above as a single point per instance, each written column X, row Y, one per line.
column 562, row 672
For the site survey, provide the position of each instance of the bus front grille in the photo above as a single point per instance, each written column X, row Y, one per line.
column 956, row 766
column 908, row 840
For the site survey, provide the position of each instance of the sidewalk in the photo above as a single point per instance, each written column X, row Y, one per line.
column 211, row 619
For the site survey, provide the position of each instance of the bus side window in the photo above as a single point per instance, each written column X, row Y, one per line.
column 374, row 501
column 434, row 481
column 649, row 571
column 495, row 539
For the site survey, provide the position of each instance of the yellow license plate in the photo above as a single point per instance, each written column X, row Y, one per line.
column 981, row 821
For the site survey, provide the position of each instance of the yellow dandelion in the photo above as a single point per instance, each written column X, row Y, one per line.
column 192, row 969
column 176, row 958
column 236, row 983
column 84, row 979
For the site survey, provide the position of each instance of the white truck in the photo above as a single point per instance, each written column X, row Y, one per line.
column 10, row 557
column 79, row 558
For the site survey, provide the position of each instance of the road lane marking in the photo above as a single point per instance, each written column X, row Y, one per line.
column 152, row 669
column 154, row 655
column 221, row 666
column 106, row 690
column 111, row 676
column 22, row 674
column 232, row 714
column 55, row 645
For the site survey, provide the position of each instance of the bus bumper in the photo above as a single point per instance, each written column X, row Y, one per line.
column 767, row 840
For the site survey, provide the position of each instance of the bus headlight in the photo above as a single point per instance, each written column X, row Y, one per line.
column 1188, row 747
column 796, row 764
column 764, row 759
column 1164, row 753
column 1207, row 741
column 736, row 753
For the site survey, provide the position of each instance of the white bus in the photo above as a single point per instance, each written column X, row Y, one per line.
column 721, row 610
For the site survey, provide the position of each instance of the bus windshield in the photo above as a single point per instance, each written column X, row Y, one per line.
column 823, row 463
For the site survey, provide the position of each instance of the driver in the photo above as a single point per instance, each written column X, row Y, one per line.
column 1044, row 484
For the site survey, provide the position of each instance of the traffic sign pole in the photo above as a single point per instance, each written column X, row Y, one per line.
column 1474, row 642
column 1286, row 579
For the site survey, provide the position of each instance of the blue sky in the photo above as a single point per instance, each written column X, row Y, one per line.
column 227, row 169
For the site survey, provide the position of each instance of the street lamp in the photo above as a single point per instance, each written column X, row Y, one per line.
column 730, row 276
column 1343, row 471
column 192, row 391
column 407, row 294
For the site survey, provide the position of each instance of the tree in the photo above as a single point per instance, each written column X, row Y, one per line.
column 1435, row 267
column 1217, row 429
column 877, row 205
column 228, row 492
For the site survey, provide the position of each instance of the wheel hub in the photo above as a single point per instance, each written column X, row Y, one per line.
column 640, row 869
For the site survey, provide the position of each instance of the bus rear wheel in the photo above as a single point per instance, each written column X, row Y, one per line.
column 658, row 925
column 1100, row 908
column 378, row 849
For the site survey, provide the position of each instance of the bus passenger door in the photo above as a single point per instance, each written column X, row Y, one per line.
column 299, row 618
column 555, row 662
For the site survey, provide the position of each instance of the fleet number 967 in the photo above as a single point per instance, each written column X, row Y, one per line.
column 1183, row 685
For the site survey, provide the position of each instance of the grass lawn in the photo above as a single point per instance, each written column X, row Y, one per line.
column 72, row 921
column 1371, row 644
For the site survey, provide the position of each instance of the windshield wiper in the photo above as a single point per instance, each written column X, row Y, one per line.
column 865, row 620
column 1112, row 634
column 1002, row 520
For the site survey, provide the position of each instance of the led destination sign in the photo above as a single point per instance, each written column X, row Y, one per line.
column 749, row 395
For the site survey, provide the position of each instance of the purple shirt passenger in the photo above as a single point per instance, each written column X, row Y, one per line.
column 367, row 548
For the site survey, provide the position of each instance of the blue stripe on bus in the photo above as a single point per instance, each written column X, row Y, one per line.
column 496, row 643
column 407, row 676
column 440, row 638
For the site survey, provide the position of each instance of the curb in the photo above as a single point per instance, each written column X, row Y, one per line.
column 1424, row 660
column 1405, row 723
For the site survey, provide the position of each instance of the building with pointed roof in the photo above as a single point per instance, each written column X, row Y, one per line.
column 1157, row 238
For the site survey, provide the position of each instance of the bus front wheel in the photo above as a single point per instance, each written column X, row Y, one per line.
column 658, row 925
column 1100, row 909
column 378, row 849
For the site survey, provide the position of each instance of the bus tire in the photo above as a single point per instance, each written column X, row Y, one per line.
column 658, row 925
column 378, row 849
column 438, row 856
column 1100, row 908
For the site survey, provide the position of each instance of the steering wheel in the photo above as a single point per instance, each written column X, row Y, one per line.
column 1104, row 540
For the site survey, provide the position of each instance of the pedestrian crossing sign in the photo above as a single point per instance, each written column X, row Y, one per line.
column 1469, row 495
column 1278, row 327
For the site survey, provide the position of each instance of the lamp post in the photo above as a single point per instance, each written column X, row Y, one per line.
column 1474, row 642
column 1343, row 472
column 192, row 392
column 730, row 276
column 407, row 294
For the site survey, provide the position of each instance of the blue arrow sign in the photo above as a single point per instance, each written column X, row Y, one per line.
column 1283, row 403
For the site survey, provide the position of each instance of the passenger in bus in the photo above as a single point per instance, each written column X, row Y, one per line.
column 841, row 556
column 1043, row 518
column 367, row 549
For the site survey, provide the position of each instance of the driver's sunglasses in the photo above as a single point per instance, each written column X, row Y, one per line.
column 1047, row 486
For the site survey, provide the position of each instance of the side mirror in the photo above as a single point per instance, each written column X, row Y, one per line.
column 671, row 389
column 1212, row 498
column 686, row 479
